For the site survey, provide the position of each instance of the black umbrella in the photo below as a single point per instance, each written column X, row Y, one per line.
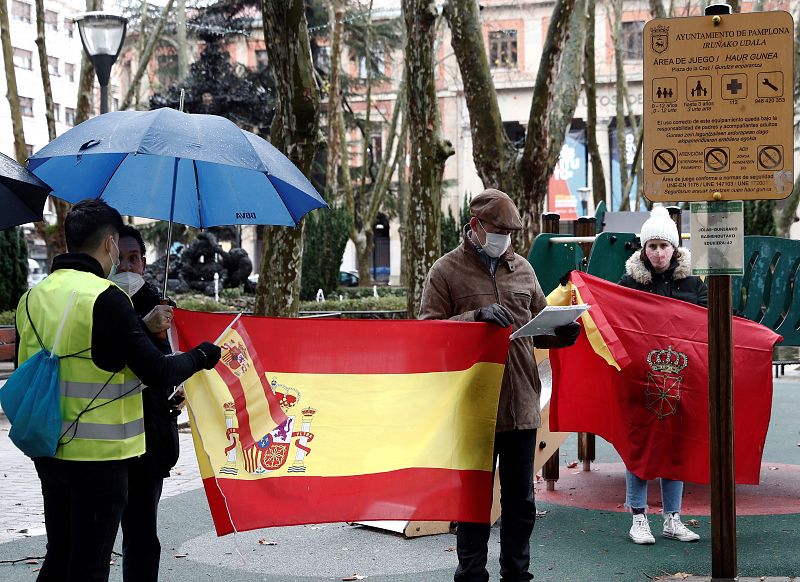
column 22, row 195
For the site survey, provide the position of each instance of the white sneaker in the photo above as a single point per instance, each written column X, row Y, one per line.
column 675, row 529
column 640, row 530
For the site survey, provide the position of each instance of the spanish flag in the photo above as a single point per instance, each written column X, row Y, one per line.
column 638, row 377
column 312, row 420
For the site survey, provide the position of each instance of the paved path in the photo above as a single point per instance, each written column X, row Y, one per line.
column 21, row 513
column 570, row 544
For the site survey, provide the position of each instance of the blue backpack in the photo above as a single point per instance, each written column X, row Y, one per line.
column 31, row 398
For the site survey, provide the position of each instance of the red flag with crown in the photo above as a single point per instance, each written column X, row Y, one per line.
column 638, row 377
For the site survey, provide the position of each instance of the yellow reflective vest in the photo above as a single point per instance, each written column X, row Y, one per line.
column 102, row 416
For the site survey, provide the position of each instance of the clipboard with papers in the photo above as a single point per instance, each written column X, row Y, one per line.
column 549, row 318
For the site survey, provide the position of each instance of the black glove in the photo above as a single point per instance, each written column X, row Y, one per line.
column 496, row 314
column 568, row 334
column 564, row 279
column 210, row 354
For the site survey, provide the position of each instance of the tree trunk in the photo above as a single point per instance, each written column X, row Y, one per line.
column 180, row 39
column 657, row 9
column 334, row 99
column 144, row 59
column 20, row 151
column 536, row 167
column 295, row 131
column 598, row 175
column 428, row 151
column 86, row 80
column 494, row 155
column 43, row 68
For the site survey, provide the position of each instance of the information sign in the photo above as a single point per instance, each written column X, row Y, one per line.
column 718, row 115
column 717, row 238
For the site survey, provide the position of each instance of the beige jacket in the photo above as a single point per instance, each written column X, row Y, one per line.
column 460, row 283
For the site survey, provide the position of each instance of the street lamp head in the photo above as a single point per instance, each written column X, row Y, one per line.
column 102, row 35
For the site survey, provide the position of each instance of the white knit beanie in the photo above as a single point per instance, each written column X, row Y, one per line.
column 659, row 226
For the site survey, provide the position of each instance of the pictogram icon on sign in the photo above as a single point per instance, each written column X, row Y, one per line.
column 717, row 159
column 665, row 161
column 665, row 90
column 770, row 84
column 770, row 157
column 734, row 86
column 698, row 88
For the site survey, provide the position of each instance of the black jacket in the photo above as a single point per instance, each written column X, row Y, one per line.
column 676, row 282
column 160, row 425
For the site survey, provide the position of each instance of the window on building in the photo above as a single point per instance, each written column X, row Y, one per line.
column 23, row 59
column 377, row 61
column 26, row 106
column 69, row 116
column 28, row 150
column 261, row 60
column 502, row 49
column 376, row 143
column 632, row 39
column 69, row 27
column 52, row 66
column 324, row 58
column 51, row 19
column 57, row 112
column 21, row 11
column 167, row 71
column 69, row 72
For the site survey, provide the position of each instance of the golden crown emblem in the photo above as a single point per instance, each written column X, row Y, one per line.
column 229, row 406
column 660, row 29
column 288, row 396
column 309, row 411
column 668, row 360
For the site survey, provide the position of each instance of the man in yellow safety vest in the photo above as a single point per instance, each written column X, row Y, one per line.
column 106, row 361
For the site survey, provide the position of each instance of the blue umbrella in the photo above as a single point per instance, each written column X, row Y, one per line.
column 198, row 170
column 22, row 195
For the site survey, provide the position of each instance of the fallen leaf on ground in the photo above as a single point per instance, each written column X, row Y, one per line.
column 181, row 555
column 541, row 513
column 264, row 542
column 693, row 523
column 572, row 465
column 32, row 561
column 450, row 550
column 353, row 577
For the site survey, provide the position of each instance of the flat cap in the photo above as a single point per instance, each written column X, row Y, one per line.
column 497, row 208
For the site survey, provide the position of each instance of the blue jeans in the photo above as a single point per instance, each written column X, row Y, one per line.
column 636, row 493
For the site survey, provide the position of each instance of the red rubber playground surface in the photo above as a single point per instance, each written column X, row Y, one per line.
column 603, row 488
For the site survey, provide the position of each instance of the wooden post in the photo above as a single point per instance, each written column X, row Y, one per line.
column 720, row 400
column 675, row 215
column 586, row 441
column 550, row 469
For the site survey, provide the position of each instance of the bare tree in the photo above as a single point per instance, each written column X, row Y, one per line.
column 144, row 58
column 590, row 89
column 428, row 152
column 182, row 47
column 55, row 241
column 20, row 151
column 295, row 131
column 86, row 80
column 525, row 176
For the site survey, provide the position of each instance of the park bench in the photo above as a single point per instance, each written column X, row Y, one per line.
column 7, row 344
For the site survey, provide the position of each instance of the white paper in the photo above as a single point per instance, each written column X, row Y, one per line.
column 549, row 318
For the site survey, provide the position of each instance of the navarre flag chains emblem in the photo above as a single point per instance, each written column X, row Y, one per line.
column 663, row 390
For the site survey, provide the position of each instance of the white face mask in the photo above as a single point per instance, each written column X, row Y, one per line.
column 128, row 282
column 496, row 244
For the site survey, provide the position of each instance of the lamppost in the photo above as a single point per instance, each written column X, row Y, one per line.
column 584, row 193
column 102, row 35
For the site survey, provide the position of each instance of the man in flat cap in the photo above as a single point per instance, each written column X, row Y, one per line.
column 485, row 280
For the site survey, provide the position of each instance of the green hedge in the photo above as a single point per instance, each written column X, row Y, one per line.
column 7, row 317
column 363, row 292
column 365, row 304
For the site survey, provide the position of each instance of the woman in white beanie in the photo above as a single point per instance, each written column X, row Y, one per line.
column 663, row 268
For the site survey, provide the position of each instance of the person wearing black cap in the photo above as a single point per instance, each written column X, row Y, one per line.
column 484, row 280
